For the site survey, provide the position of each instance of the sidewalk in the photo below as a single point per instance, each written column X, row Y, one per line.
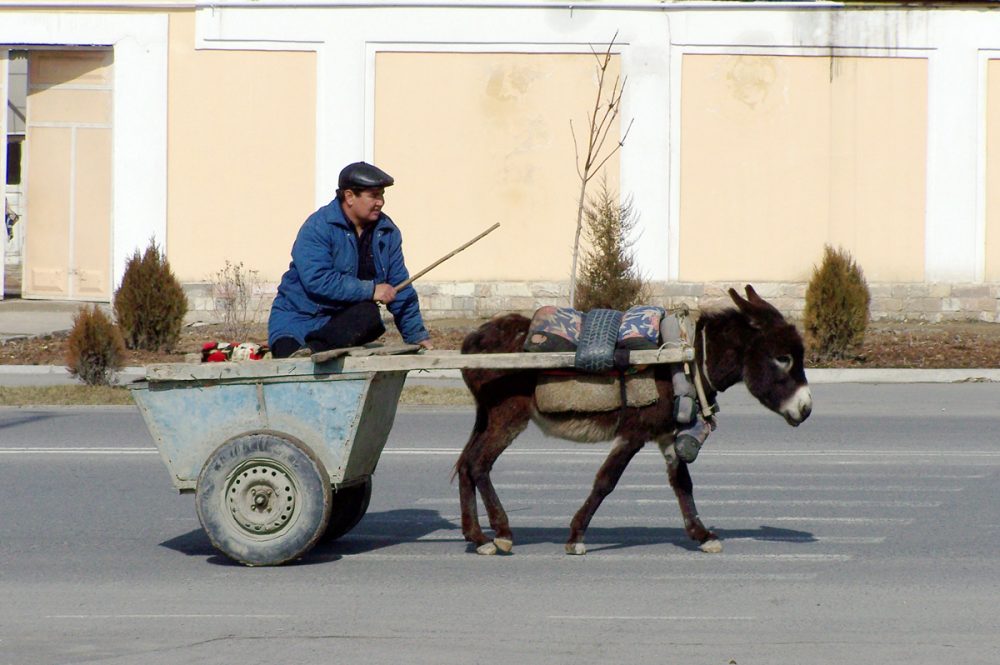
column 30, row 318
column 27, row 318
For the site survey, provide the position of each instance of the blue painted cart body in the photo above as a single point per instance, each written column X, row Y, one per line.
column 344, row 418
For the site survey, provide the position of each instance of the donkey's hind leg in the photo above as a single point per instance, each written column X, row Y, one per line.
column 607, row 478
column 496, row 427
column 680, row 481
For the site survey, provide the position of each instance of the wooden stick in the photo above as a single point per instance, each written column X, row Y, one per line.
column 404, row 284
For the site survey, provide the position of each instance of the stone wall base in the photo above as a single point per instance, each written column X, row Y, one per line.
column 930, row 303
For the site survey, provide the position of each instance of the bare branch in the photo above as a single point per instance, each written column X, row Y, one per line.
column 621, row 144
column 600, row 122
column 576, row 150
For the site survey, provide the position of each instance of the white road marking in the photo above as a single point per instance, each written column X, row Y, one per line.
column 639, row 617
column 643, row 520
column 445, row 535
column 736, row 488
column 568, row 455
column 701, row 475
column 168, row 616
column 830, row 540
column 78, row 451
column 733, row 577
column 836, row 503
column 603, row 452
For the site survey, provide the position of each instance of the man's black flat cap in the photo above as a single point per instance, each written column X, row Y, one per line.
column 362, row 175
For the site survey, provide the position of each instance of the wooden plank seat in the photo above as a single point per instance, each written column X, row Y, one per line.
column 368, row 359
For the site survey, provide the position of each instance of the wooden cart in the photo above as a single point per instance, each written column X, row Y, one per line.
column 281, row 452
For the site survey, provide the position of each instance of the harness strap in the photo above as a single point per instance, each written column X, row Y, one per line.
column 707, row 409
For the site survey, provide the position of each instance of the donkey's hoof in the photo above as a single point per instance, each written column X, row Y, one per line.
column 576, row 548
column 712, row 546
column 486, row 549
column 505, row 545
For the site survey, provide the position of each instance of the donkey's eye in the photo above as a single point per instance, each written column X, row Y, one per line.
column 784, row 362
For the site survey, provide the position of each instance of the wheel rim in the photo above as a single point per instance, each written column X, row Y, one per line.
column 262, row 498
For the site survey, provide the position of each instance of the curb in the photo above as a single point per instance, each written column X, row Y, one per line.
column 816, row 376
column 896, row 375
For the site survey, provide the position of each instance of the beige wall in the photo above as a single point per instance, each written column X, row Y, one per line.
column 478, row 138
column 780, row 155
column 992, row 171
column 241, row 155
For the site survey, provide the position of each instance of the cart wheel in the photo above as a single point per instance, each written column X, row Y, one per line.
column 262, row 499
column 349, row 506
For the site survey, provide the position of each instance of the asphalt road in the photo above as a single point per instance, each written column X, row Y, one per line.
column 871, row 534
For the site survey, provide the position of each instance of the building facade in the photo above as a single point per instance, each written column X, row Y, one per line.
column 759, row 132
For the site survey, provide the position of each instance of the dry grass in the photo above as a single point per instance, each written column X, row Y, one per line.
column 64, row 396
column 431, row 396
column 963, row 345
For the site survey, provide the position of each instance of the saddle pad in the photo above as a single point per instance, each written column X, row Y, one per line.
column 554, row 329
column 558, row 328
column 558, row 393
column 640, row 327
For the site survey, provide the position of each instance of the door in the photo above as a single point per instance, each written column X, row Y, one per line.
column 67, row 241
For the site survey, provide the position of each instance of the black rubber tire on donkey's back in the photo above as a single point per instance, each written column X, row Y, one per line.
column 349, row 506
column 263, row 499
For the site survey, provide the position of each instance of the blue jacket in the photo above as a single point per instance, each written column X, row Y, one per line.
column 322, row 277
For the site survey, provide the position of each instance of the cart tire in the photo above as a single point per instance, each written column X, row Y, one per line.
column 349, row 506
column 263, row 499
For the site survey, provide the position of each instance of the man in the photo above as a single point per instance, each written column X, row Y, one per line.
column 345, row 259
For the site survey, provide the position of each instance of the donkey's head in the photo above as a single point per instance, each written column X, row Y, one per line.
column 773, row 368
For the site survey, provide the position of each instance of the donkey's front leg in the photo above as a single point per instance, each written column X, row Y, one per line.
column 680, row 481
column 604, row 483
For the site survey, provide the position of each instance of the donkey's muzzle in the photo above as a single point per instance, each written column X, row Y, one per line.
column 797, row 407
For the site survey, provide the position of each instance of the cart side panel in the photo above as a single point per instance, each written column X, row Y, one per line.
column 374, row 423
column 322, row 414
column 189, row 422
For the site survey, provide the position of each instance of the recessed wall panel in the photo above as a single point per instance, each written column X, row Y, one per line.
column 781, row 154
column 478, row 138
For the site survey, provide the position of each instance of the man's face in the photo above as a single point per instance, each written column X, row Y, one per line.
column 365, row 206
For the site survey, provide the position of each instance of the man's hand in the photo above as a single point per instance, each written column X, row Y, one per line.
column 426, row 345
column 384, row 293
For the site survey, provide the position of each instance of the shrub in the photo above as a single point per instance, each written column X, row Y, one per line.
column 150, row 304
column 608, row 276
column 95, row 349
column 837, row 299
column 237, row 296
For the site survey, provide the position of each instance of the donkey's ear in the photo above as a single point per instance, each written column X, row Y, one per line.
column 753, row 297
column 760, row 304
column 758, row 310
column 744, row 305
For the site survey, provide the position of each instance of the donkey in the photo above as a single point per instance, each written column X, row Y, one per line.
column 752, row 343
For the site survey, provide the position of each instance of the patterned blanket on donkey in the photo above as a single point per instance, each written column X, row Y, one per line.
column 558, row 328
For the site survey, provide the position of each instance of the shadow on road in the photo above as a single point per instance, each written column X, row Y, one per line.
column 618, row 538
column 27, row 418
column 393, row 527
